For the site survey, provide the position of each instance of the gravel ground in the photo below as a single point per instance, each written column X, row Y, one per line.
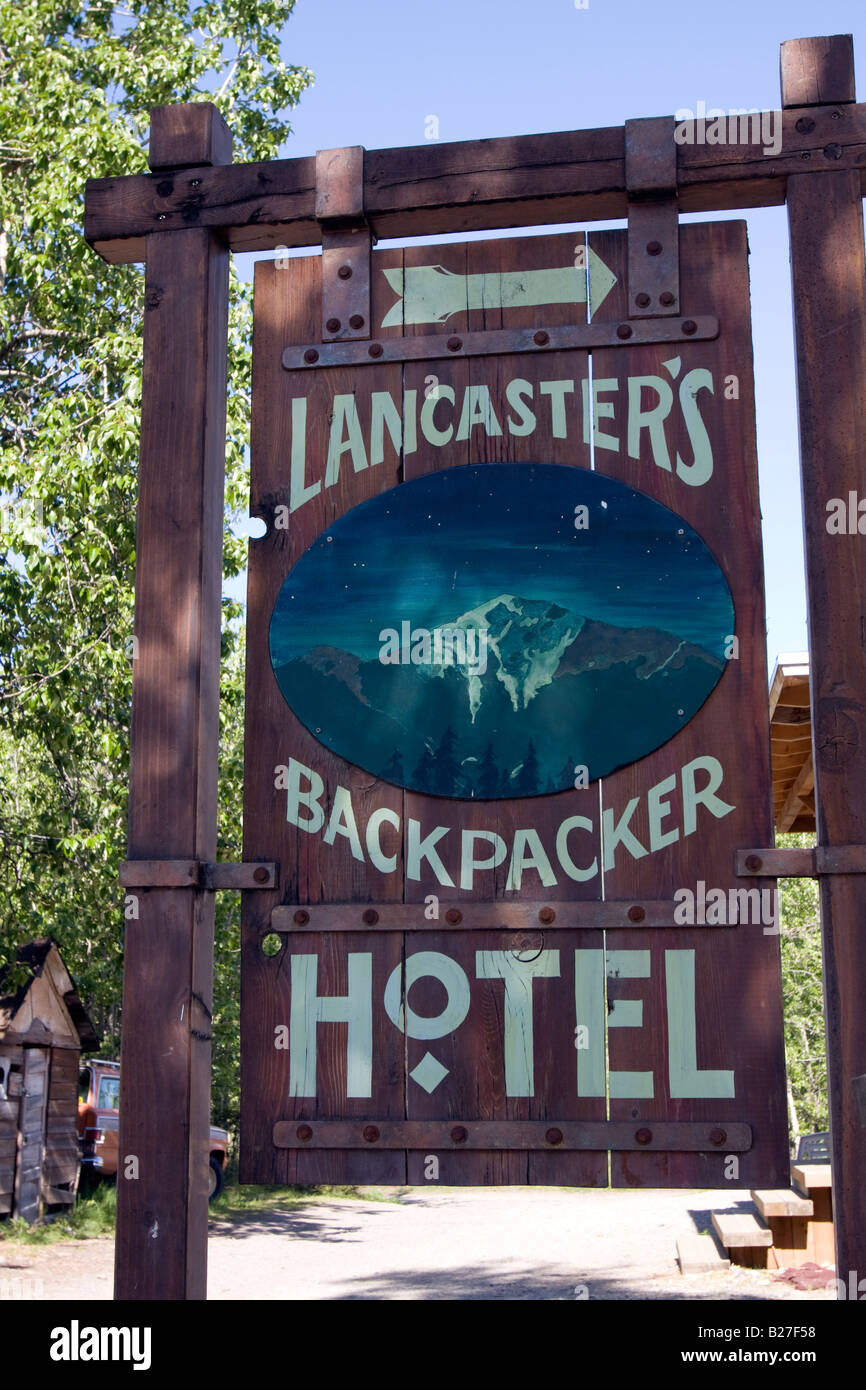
column 454, row 1243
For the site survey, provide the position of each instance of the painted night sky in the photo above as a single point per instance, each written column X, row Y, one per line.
column 620, row 624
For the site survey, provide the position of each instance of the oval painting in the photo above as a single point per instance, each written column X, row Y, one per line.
column 491, row 630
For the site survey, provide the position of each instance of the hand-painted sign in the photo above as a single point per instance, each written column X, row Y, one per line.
column 506, row 719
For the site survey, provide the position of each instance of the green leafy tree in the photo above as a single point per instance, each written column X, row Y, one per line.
column 77, row 82
column 805, row 1043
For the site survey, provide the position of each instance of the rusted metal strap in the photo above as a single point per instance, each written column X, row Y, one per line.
column 191, row 873
column 501, row 340
column 801, row 863
column 653, row 228
column 346, row 243
column 529, row 918
column 707, row 1136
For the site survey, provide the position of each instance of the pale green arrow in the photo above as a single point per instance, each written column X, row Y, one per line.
column 431, row 294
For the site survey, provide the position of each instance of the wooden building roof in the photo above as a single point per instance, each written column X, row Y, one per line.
column 791, row 744
column 46, row 1007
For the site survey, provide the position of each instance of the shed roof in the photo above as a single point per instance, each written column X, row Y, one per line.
column 791, row 743
column 41, row 955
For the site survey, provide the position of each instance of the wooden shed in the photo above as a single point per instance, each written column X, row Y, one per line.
column 43, row 1028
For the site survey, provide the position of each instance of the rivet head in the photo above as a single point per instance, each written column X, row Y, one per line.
column 643, row 1136
column 718, row 1137
column 311, row 355
column 301, row 918
column 370, row 1133
column 304, row 1133
column 371, row 916
column 653, row 248
column 636, row 914
column 160, row 217
column 454, row 916
column 375, row 350
column 666, row 298
column 547, row 914
column 805, row 125
column 194, row 183
column 689, row 327
column 345, row 272
column 541, row 337
column 754, row 863
column 833, row 151
column 260, row 875
column 459, row 1134
column 553, row 1136
column 333, row 325
column 454, row 344
column 624, row 330
column 356, row 321
column 642, row 300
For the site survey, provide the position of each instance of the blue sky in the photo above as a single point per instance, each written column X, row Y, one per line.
column 498, row 68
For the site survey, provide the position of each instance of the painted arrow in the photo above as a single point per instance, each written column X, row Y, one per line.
column 431, row 294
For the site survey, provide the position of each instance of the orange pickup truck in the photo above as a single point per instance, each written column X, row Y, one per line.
column 98, row 1091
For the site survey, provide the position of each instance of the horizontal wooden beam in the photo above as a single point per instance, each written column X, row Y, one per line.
column 802, row 863
column 190, row 873
column 473, row 185
column 673, row 1136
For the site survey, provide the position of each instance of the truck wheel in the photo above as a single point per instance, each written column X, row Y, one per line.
column 215, row 1179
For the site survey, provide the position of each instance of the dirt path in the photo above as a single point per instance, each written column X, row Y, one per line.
column 457, row 1243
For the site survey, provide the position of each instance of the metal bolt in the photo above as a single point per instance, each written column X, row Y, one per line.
column 333, row 325
column 301, row 917
column 304, row 1133
column 718, row 1137
column 459, row 1134
column 194, row 183
column 375, row 350
column 454, row 916
column 356, row 321
column 261, row 875
column 371, row 916
column 624, row 330
column 653, row 248
column 160, row 217
column 547, row 914
column 643, row 1136
column 636, row 914
column 311, row 355
column 833, row 151
column 454, row 344
column 553, row 1136
column 689, row 327
column 541, row 337
column 345, row 272
column 836, row 115
column 666, row 297
column 642, row 300
column 370, row 1133
column 754, row 863
column 805, row 125
column 805, row 154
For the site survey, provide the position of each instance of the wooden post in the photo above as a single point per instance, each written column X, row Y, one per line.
column 168, row 969
column 829, row 285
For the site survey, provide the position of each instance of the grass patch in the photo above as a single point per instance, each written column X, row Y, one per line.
column 92, row 1215
column 242, row 1199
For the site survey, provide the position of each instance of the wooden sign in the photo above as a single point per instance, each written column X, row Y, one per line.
column 507, row 727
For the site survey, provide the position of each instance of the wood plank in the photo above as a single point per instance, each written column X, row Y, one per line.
column 471, row 185
column 818, row 71
column 741, row 1228
column 781, row 1202
column 795, row 800
column 828, row 270
column 699, row 1254
column 810, row 1176
column 168, row 960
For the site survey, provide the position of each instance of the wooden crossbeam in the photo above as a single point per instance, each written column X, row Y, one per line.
column 472, row 185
